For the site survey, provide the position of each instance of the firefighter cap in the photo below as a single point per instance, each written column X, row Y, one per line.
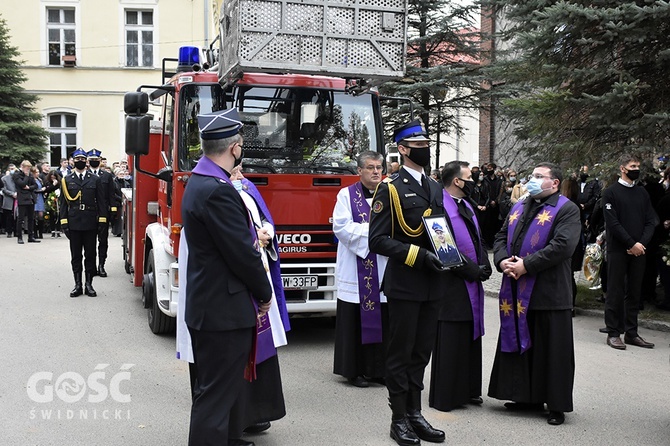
column 412, row 131
column 94, row 153
column 437, row 227
column 219, row 124
column 79, row 152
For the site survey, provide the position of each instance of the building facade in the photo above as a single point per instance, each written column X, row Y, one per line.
column 81, row 56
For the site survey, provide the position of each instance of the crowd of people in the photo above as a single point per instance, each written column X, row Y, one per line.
column 81, row 199
column 34, row 203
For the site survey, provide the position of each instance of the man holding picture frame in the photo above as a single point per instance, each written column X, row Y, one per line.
column 411, row 282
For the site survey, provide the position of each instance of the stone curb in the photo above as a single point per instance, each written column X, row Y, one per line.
column 645, row 323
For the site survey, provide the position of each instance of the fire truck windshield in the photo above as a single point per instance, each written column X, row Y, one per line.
column 287, row 130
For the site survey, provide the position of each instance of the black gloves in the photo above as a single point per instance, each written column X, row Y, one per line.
column 66, row 230
column 485, row 272
column 468, row 271
column 433, row 262
column 102, row 227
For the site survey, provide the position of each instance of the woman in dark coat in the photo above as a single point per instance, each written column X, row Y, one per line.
column 25, row 196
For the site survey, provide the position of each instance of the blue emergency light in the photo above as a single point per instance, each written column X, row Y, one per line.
column 188, row 56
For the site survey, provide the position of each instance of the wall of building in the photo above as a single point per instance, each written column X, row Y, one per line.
column 93, row 89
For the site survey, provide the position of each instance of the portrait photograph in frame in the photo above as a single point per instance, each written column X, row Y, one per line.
column 443, row 241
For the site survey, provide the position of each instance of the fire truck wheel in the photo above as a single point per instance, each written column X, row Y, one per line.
column 159, row 322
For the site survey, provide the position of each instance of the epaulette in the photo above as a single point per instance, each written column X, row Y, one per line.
column 392, row 177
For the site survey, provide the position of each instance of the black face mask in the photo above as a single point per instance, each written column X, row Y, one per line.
column 468, row 187
column 633, row 174
column 583, row 177
column 239, row 160
column 94, row 164
column 419, row 156
column 490, row 172
column 81, row 165
column 475, row 176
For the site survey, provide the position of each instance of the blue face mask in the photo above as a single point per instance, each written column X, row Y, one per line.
column 238, row 185
column 534, row 186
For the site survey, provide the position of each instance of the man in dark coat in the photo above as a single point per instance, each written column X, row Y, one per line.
column 411, row 281
column 25, row 198
column 111, row 203
column 83, row 214
column 456, row 370
column 535, row 360
column 491, row 217
column 630, row 220
column 226, row 279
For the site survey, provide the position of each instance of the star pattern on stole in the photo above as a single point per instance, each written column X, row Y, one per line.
column 543, row 217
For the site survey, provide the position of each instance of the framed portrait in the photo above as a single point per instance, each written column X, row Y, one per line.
column 443, row 241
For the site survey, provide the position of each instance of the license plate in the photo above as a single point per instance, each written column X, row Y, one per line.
column 300, row 282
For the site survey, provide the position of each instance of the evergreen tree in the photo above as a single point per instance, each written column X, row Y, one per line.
column 584, row 80
column 21, row 137
column 442, row 65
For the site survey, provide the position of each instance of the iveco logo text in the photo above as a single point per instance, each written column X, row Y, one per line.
column 295, row 239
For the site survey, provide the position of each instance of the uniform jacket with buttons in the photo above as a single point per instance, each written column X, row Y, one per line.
column 405, row 276
column 82, row 202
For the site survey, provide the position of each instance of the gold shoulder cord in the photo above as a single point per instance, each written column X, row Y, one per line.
column 395, row 202
column 67, row 193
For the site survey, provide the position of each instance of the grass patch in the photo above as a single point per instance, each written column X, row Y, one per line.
column 586, row 299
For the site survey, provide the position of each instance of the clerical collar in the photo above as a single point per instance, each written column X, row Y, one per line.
column 625, row 183
column 456, row 199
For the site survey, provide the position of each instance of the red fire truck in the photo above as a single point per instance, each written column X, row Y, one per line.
column 302, row 133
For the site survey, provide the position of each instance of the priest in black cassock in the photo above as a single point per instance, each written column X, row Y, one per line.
column 456, row 371
column 535, row 358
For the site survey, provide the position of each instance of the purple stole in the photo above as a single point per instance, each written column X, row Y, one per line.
column 262, row 344
column 467, row 247
column 368, row 275
column 514, row 333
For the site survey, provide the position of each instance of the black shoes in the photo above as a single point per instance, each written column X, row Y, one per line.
column 32, row 240
column 257, row 428
column 88, row 285
column 359, row 381
column 423, row 429
column 19, row 241
column 101, row 270
column 477, row 401
column 403, row 434
column 556, row 418
column 77, row 290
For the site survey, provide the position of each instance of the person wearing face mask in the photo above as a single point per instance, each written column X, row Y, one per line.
column 630, row 221
column 83, row 215
column 112, row 203
column 589, row 192
column 534, row 362
column 227, row 290
column 9, row 201
column 518, row 190
column 456, row 367
column 412, row 282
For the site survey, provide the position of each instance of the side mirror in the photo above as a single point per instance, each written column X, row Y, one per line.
column 137, row 134
column 135, row 103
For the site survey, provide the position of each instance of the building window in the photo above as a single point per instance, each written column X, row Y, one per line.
column 62, row 136
column 61, row 34
column 139, row 38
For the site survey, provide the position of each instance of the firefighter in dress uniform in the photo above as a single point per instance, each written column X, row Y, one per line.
column 111, row 204
column 412, row 282
column 83, row 214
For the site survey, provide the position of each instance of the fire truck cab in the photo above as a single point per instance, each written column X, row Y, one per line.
column 302, row 134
